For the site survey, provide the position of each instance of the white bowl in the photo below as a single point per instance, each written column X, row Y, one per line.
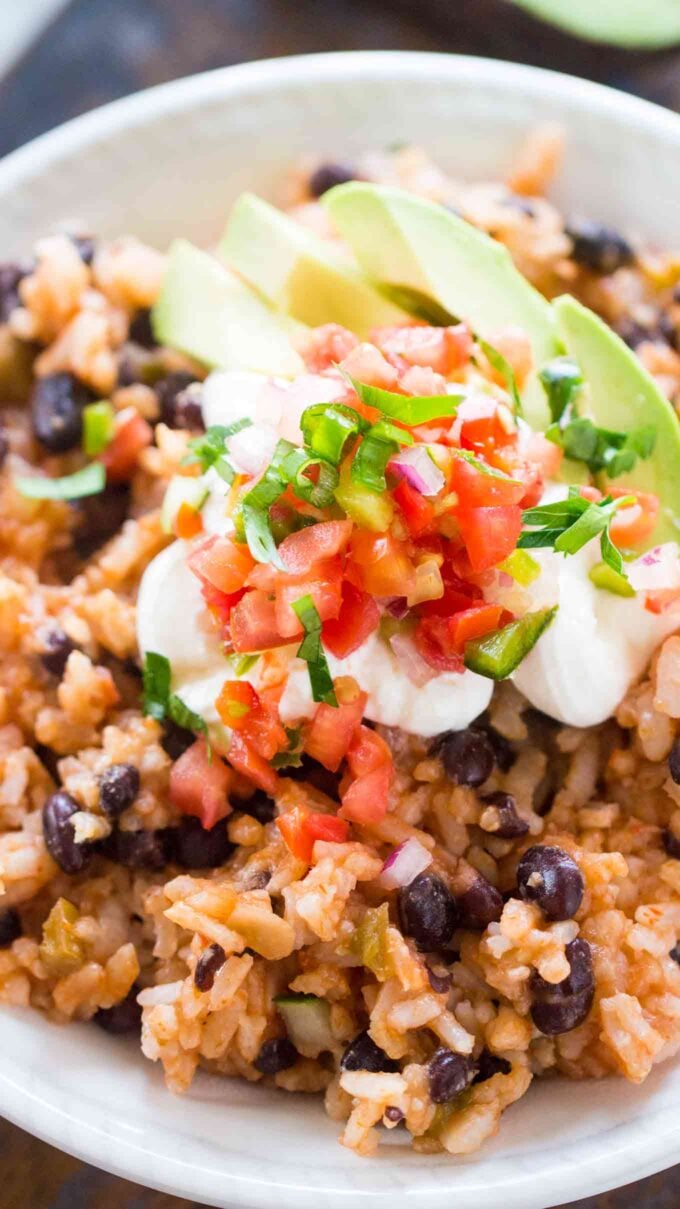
column 170, row 161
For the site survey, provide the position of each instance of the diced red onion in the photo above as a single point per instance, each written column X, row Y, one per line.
column 411, row 661
column 251, row 449
column 404, row 864
column 656, row 570
column 416, row 466
column 396, row 606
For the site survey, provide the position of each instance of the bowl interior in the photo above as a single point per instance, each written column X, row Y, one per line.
column 170, row 162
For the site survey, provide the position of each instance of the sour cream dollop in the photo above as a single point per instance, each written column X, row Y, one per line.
column 577, row 673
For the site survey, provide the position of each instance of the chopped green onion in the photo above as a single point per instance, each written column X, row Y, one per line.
column 295, row 466
column 561, row 380
column 498, row 655
column 521, row 567
column 408, row 409
column 604, row 577
column 329, row 428
column 379, row 444
column 98, row 426
column 504, row 368
column 210, row 448
column 313, row 653
column 88, row 481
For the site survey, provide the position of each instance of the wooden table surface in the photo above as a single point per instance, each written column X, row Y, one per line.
column 97, row 50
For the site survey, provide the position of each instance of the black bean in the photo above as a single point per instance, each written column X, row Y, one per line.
column 580, row 977
column 327, row 175
column 57, row 403
column 261, row 807
column 311, row 772
column 675, row 953
column 208, row 965
column 197, row 848
column 488, row 1065
column 502, row 748
column 427, row 911
column 11, row 273
column 674, row 762
column 548, row 876
column 479, row 905
column 123, row 1017
column 85, row 246
column 362, row 1053
column 468, row 756
column 559, row 1007
column 56, row 649
column 671, row 843
column 448, row 1074
column 633, row 333
column 140, row 849
column 141, row 331
column 176, row 411
column 510, row 823
column 394, row 1114
column 10, row 927
column 440, row 983
column 60, row 836
column 275, row 1055
column 176, row 739
column 100, row 517
column 599, row 248
column 4, row 446
column 118, row 788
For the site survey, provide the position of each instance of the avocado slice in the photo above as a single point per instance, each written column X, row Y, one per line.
column 417, row 247
column 620, row 395
column 209, row 313
column 633, row 23
column 300, row 273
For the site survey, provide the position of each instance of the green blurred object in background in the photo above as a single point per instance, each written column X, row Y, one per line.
column 631, row 23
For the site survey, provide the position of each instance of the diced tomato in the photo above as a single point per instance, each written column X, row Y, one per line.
column 633, row 525
column 545, row 454
column 474, row 623
column 132, row 435
column 263, row 575
column 432, row 640
column 200, row 786
column 366, row 798
column 220, row 603
column 477, row 489
column 301, row 829
column 481, row 424
column 366, row 364
column 188, row 522
column 359, row 616
column 384, row 566
column 443, row 349
column 222, row 562
column 311, row 545
column 490, row 534
column 331, row 731
column 328, row 345
column 243, row 757
column 459, row 594
column 240, row 708
column 323, row 584
column 417, row 511
column 253, row 623
column 514, row 344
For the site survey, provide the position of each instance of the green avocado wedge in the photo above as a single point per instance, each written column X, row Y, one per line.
column 210, row 314
column 299, row 273
column 632, row 23
column 409, row 244
column 620, row 395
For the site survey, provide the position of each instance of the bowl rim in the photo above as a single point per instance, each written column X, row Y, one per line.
column 18, row 1103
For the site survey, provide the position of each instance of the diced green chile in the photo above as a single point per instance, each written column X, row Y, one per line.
column 498, row 655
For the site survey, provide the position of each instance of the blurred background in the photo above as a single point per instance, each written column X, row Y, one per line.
column 59, row 58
